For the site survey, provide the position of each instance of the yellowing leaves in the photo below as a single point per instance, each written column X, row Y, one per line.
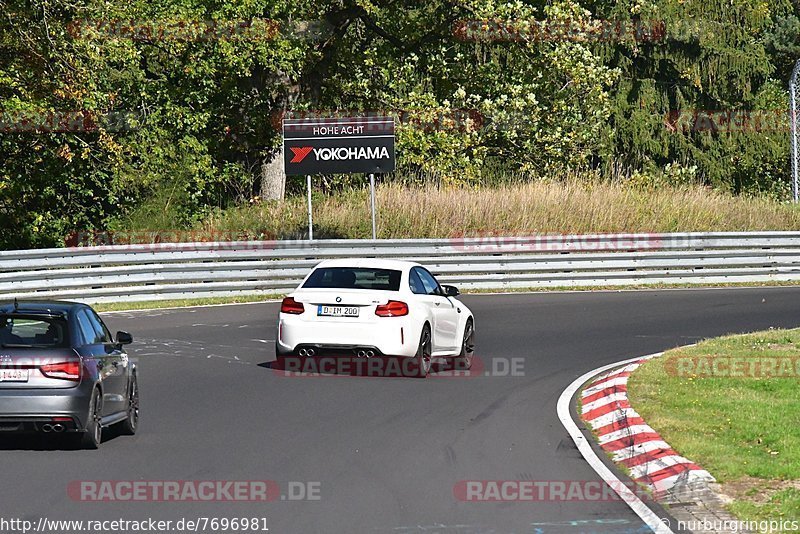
column 65, row 153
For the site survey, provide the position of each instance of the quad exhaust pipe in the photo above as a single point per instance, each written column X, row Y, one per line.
column 362, row 353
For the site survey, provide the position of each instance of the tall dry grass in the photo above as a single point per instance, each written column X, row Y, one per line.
column 513, row 209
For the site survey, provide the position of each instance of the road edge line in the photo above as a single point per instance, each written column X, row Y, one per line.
column 563, row 409
column 188, row 307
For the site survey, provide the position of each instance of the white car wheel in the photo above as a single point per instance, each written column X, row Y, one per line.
column 463, row 361
column 422, row 360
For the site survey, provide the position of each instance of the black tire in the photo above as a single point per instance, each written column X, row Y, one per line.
column 94, row 432
column 422, row 359
column 129, row 426
column 463, row 362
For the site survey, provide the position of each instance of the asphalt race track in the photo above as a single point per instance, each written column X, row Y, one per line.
column 386, row 453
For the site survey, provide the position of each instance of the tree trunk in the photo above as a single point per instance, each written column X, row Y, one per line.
column 273, row 176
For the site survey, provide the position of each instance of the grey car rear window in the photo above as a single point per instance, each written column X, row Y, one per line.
column 33, row 331
column 354, row 278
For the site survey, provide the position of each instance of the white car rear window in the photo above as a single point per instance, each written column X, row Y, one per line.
column 354, row 278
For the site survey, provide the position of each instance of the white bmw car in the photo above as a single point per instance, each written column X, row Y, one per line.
column 368, row 308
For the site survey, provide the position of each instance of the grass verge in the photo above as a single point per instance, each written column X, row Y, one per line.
column 745, row 430
column 525, row 208
column 180, row 303
column 634, row 287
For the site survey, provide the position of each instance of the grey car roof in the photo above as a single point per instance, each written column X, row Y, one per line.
column 40, row 306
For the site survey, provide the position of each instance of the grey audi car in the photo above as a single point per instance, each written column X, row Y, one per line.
column 62, row 372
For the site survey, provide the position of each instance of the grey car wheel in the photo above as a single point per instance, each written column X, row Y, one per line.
column 131, row 423
column 94, row 431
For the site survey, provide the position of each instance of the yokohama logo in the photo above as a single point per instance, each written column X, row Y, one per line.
column 299, row 153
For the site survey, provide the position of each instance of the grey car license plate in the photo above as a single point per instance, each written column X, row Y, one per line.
column 13, row 375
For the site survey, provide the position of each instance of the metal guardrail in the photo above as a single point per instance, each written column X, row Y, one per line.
column 186, row 270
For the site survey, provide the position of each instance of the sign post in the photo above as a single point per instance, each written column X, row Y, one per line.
column 793, row 115
column 339, row 145
column 310, row 221
column 372, row 202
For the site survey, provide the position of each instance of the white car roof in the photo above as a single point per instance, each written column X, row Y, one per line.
column 375, row 263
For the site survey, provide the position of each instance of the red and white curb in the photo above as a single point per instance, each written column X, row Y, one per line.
column 659, row 525
column 629, row 440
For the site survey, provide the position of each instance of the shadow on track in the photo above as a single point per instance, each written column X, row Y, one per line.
column 376, row 367
column 49, row 442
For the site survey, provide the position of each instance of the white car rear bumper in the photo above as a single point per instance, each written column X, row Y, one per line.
column 391, row 336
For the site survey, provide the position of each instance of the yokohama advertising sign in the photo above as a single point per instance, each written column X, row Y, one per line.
column 338, row 145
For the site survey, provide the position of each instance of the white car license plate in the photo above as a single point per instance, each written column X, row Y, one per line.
column 337, row 311
column 13, row 375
